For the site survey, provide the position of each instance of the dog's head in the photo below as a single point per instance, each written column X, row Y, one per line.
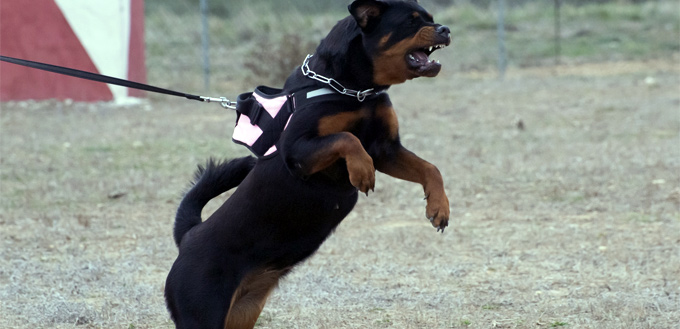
column 399, row 37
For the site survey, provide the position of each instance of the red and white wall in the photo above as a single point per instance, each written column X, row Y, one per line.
column 105, row 37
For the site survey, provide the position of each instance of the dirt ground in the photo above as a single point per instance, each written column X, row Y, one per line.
column 564, row 183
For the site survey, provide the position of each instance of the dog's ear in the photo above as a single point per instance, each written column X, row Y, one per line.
column 367, row 12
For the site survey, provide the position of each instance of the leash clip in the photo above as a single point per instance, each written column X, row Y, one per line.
column 225, row 102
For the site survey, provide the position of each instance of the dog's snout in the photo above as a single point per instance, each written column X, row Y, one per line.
column 444, row 30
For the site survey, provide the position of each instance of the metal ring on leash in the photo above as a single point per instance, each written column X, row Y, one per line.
column 226, row 103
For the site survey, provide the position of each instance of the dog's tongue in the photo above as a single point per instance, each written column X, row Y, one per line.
column 419, row 58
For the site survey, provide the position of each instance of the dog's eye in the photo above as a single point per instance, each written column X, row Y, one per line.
column 413, row 20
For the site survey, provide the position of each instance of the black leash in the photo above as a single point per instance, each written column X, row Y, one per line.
column 114, row 81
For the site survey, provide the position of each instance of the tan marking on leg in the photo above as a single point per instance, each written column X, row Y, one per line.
column 342, row 121
column 359, row 163
column 250, row 297
column 410, row 167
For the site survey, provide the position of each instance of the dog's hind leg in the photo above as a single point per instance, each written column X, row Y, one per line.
column 197, row 303
column 250, row 297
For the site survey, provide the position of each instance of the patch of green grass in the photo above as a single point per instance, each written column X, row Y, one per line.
column 558, row 324
column 490, row 307
column 611, row 12
column 383, row 318
column 642, row 29
column 98, row 149
column 641, row 218
column 384, row 321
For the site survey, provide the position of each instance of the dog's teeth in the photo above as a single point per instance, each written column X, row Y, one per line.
column 431, row 48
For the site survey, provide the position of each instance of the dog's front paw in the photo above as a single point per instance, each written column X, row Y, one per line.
column 361, row 172
column 437, row 210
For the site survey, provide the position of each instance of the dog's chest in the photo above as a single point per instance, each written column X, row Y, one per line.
column 369, row 122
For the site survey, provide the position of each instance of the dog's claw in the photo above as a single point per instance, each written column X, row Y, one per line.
column 431, row 219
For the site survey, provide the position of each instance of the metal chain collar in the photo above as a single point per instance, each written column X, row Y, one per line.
column 360, row 95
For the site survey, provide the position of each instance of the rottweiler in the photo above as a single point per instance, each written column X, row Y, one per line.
column 286, row 204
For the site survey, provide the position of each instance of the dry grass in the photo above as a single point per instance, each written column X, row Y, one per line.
column 572, row 222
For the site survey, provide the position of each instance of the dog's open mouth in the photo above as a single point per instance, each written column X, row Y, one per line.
column 419, row 60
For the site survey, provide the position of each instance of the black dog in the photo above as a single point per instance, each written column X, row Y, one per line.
column 288, row 203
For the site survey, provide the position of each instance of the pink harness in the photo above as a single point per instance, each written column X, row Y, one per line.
column 265, row 113
column 248, row 132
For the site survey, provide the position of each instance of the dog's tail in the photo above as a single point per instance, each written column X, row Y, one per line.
column 209, row 181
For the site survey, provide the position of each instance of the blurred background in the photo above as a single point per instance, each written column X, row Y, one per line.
column 563, row 176
column 251, row 42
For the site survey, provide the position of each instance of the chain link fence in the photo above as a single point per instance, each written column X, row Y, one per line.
column 232, row 45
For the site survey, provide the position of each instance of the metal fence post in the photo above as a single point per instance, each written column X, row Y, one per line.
column 558, row 46
column 205, row 43
column 502, row 53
